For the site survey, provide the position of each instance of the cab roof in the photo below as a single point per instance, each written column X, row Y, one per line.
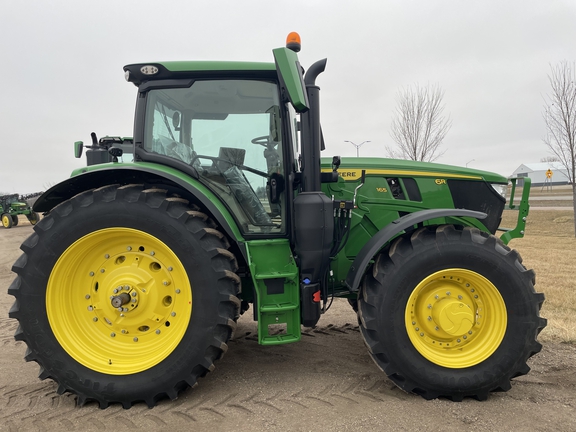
column 140, row 72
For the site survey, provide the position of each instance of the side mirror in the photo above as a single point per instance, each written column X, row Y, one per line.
column 176, row 120
column 78, row 146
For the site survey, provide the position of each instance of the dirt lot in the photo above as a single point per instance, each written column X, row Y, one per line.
column 325, row 382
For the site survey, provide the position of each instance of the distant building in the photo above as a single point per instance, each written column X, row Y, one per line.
column 537, row 173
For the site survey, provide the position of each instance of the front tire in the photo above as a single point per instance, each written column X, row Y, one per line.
column 452, row 313
column 125, row 295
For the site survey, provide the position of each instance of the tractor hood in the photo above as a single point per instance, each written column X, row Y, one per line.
column 351, row 169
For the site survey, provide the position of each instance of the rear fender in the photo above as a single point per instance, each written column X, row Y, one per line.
column 147, row 174
column 382, row 237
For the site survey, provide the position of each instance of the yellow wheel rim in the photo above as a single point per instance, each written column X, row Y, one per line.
column 6, row 221
column 456, row 318
column 119, row 301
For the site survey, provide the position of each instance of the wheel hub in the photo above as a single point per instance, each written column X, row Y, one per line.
column 120, row 300
column 452, row 316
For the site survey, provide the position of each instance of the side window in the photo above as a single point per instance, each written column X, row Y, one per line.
column 230, row 131
column 165, row 135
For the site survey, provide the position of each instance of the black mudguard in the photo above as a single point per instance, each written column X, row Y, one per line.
column 383, row 236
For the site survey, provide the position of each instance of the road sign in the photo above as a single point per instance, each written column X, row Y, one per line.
column 549, row 173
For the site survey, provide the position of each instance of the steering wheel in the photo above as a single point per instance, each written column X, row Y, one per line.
column 263, row 140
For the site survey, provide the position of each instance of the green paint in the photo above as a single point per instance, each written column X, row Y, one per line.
column 523, row 209
column 275, row 276
column 291, row 76
column 207, row 66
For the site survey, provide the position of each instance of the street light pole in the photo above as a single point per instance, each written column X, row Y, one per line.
column 357, row 146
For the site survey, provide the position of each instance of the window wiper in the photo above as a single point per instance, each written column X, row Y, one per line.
column 166, row 122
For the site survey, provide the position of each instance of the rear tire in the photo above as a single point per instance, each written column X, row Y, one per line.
column 125, row 295
column 450, row 313
column 7, row 220
column 14, row 220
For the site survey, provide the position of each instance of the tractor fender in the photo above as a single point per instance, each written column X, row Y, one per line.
column 176, row 182
column 382, row 237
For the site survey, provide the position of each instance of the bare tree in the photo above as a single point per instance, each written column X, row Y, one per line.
column 549, row 159
column 560, row 118
column 418, row 124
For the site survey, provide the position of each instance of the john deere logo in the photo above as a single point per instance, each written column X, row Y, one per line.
column 348, row 174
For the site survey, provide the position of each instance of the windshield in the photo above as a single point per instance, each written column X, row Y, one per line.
column 230, row 131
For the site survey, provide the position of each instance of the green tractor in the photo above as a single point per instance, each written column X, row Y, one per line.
column 130, row 287
column 11, row 206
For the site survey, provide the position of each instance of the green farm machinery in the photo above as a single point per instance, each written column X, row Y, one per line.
column 131, row 285
column 11, row 206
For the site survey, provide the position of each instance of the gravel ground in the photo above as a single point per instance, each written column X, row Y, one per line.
column 325, row 382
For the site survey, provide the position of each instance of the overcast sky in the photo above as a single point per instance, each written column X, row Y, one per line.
column 62, row 76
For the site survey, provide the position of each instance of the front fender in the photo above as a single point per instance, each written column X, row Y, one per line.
column 383, row 236
column 140, row 173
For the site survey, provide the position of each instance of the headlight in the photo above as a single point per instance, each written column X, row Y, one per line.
column 501, row 189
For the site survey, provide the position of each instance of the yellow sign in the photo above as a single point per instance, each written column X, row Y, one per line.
column 549, row 173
